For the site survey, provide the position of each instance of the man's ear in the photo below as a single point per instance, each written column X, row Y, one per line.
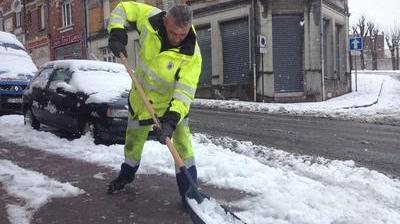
column 165, row 20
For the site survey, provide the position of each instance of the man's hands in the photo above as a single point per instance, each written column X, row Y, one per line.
column 117, row 47
column 117, row 42
column 168, row 125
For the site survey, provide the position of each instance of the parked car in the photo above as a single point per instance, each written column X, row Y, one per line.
column 16, row 70
column 80, row 96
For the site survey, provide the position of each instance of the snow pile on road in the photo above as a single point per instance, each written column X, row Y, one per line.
column 281, row 187
column 34, row 188
column 377, row 100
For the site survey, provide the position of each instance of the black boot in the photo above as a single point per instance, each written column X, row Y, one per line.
column 183, row 184
column 126, row 176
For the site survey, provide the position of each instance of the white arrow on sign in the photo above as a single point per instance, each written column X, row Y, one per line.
column 355, row 43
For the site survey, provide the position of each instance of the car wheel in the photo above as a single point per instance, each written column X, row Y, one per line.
column 29, row 119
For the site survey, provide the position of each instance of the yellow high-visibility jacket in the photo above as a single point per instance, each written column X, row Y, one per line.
column 168, row 75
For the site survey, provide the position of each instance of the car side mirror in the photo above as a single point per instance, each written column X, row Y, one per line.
column 60, row 90
column 64, row 88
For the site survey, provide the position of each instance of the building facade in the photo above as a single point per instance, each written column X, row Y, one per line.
column 50, row 29
column 38, row 40
column 11, row 18
column 277, row 51
column 256, row 50
column 66, row 20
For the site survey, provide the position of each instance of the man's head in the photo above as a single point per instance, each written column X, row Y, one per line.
column 178, row 22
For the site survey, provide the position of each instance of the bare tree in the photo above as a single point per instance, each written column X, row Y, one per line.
column 373, row 32
column 360, row 29
column 392, row 41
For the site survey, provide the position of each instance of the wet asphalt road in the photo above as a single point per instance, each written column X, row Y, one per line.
column 370, row 145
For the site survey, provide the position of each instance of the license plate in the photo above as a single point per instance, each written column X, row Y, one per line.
column 14, row 100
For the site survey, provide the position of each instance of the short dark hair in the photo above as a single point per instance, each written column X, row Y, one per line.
column 182, row 13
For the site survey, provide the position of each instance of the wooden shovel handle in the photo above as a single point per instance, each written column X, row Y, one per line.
column 178, row 160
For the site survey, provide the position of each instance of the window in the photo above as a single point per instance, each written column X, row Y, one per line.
column 338, row 50
column 108, row 55
column 60, row 75
column 1, row 21
column 40, row 81
column 18, row 19
column 66, row 13
column 42, row 19
column 325, row 46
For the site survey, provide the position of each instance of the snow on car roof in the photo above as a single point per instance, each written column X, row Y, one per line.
column 15, row 62
column 87, row 65
column 103, row 81
column 10, row 39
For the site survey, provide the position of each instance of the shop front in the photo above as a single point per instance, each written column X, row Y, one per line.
column 68, row 47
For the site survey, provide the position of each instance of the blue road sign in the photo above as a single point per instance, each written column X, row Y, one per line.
column 356, row 43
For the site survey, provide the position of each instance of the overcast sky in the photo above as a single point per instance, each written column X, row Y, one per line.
column 385, row 13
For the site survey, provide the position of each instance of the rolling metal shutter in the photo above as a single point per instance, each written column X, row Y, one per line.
column 235, row 47
column 204, row 39
column 288, row 41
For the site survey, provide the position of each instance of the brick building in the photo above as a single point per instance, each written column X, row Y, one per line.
column 11, row 18
column 38, row 42
column 67, row 29
column 50, row 29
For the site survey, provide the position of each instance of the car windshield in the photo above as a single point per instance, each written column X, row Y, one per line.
column 11, row 46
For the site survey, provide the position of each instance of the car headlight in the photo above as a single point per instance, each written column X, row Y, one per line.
column 117, row 112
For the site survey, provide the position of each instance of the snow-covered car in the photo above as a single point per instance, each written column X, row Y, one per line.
column 16, row 70
column 80, row 96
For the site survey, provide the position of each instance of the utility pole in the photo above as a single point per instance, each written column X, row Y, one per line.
column 253, row 47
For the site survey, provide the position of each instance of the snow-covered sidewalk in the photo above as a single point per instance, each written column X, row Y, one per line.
column 32, row 188
column 282, row 188
column 377, row 100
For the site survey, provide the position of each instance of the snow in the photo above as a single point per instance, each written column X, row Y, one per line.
column 14, row 64
column 10, row 38
column 368, row 104
column 102, row 81
column 97, row 85
column 211, row 212
column 34, row 188
column 279, row 187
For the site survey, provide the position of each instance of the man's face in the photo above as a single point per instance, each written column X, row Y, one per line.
column 176, row 34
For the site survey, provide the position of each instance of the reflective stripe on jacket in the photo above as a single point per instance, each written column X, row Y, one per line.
column 169, row 76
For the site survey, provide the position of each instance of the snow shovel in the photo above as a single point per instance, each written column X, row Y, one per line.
column 193, row 194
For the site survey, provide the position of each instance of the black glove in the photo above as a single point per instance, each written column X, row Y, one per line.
column 117, row 41
column 168, row 125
